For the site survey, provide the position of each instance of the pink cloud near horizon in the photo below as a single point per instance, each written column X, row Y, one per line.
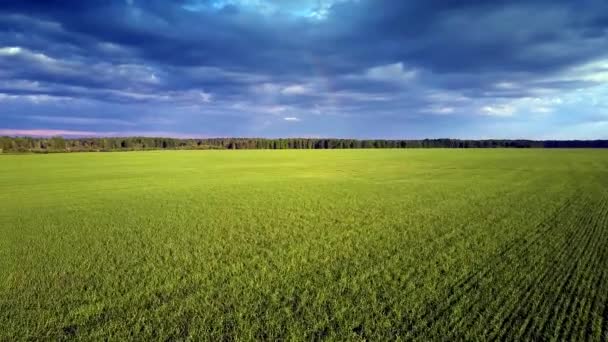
column 71, row 133
column 45, row 132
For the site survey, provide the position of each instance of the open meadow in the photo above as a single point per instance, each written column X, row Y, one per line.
column 305, row 245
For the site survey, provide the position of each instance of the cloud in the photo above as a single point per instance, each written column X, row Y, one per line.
column 390, row 73
column 295, row 89
column 291, row 118
column 10, row 51
column 357, row 63
column 71, row 120
column 498, row 110
column 439, row 110
column 49, row 133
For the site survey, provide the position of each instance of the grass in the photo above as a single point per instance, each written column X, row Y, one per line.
column 335, row 244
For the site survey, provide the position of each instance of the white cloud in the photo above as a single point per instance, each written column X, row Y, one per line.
column 34, row 98
column 391, row 73
column 47, row 132
column 296, row 89
column 266, row 88
column 506, row 85
column 205, row 97
column 274, row 109
column 10, row 51
column 542, row 105
column 111, row 47
column 439, row 110
column 291, row 118
column 446, row 96
column 21, row 85
column 80, row 120
column 542, row 110
column 323, row 8
column 358, row 96
column 41, row 58
column 129, row 75
column 310, row 9
column 498, row 110
column 592, row 72
column 599, row 77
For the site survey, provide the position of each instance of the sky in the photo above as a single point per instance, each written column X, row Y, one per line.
column 472, row 69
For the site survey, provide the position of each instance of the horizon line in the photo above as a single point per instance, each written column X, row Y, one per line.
column 279, row 138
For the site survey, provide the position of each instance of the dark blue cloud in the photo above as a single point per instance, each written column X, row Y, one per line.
column 339, row 67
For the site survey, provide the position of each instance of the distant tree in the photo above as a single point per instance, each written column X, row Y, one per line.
column 57, row 143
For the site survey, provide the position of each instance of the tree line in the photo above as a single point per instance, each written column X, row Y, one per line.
column 60, row 144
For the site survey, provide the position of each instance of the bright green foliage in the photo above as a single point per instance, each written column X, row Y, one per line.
column 337, row 244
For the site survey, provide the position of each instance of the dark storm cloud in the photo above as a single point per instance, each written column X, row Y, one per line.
column 359, row 58
column 444, row 36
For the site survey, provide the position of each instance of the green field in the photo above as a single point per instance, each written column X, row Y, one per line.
column 335, row 244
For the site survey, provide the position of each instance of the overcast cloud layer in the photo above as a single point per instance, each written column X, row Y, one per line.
column 317, row 68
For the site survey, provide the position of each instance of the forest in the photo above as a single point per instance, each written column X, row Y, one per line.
column 60, row 144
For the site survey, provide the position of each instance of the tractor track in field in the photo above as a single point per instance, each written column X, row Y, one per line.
column 512, row 278
column 467, row 284
column 528, row 309
column 515, row 278
column 521, row 310
column 599, row 259
column 604, row 332
column 554, row 256
column 580, row 268
column 582, row 251
column 587, row 261
column 583, row 256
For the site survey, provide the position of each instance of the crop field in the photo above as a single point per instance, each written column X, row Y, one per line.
column 305, row 245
